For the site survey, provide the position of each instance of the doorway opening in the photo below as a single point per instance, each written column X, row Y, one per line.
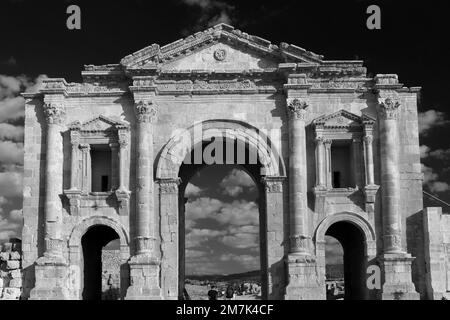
column 100, row 264
column 345, row 262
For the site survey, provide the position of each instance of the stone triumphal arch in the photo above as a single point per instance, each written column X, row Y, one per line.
column 335, row 151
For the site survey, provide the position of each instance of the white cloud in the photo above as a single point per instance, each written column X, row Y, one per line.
column 424, row 151
column 11, row 184
column 202, row 208
column 196, row 237
column 11, row 152
column 212, row 12
column 11, row 108
column 440, row 154
column 10, row 132
column 192, row 191
column 430, row 180
column 194, row 254
column 222, row 17
column 430, row 119
column 238, row 213
column 235, row 182
column 11, row 225
column 250, row 262
column 333, row 251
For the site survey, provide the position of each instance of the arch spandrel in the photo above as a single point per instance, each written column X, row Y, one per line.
column 357, row 220
column 80, row 229
column 175, row 151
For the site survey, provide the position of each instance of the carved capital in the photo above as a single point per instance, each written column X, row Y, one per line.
column 85, row 147
column 368, row 140
column 273, row 184
column 54, row 113
column 389, row 109
column 169, row 185
column 123, row 140
column 75, row 138
column 327, row 142
column 320, row 140
column 146, row 111
column 297, row 109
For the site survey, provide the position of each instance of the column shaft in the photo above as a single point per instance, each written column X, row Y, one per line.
column 299, row 233
column 74, row 166
column 320, row 152
column 145, row 218
column 370, row 180
column 53, row 181
column 390, row 177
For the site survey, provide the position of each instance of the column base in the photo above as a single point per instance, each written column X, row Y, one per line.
column 144, row 278
column 398, row 283
column 303, row 281
column 52, row 279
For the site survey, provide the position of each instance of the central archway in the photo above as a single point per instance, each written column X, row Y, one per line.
column 267, row 170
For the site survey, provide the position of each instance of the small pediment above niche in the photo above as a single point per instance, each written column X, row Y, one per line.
column 221, row 56
column 100, row 123
column 342, row 119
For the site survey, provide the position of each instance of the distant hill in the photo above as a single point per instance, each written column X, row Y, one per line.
column 245, row 276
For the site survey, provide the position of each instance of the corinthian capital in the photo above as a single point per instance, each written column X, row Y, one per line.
column 297, row 109
column 146, row 111
column 389, row 109
column 54, row 113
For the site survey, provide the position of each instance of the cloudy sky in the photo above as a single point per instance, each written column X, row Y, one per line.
column 35, row 43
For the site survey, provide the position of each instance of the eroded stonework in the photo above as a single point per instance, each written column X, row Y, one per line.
column 337, row 150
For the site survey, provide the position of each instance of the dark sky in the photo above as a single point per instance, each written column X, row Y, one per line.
column 413, row 41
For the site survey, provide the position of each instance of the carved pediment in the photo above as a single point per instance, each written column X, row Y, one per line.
column 100, row 123
column 221, row 48
column 342, row 119
column 222, row 56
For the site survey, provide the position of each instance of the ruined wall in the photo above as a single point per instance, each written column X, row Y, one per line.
column 10, row 271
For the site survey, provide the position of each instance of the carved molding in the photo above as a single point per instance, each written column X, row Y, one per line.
column 169, row 185
column 146, row 111
column 273, row 184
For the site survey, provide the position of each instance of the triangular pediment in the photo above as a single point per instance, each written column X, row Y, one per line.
column 100, row 123
column 341, row 118
column 220, row 48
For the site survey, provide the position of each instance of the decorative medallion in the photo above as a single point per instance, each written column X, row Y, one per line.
column 220, row 54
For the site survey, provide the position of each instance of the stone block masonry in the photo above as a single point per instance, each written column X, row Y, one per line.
column 10, row 270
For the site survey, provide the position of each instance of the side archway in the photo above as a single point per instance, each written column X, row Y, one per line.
column 357, row 238
column 353, row 218
column 96, row 231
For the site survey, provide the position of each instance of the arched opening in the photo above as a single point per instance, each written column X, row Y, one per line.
column 221, row 223
column 352, row 240
column 101, row 264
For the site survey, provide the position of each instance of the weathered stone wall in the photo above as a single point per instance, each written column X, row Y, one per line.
column 111, row 262
column 437, row 253
column 10, row 271
column 227, row 91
